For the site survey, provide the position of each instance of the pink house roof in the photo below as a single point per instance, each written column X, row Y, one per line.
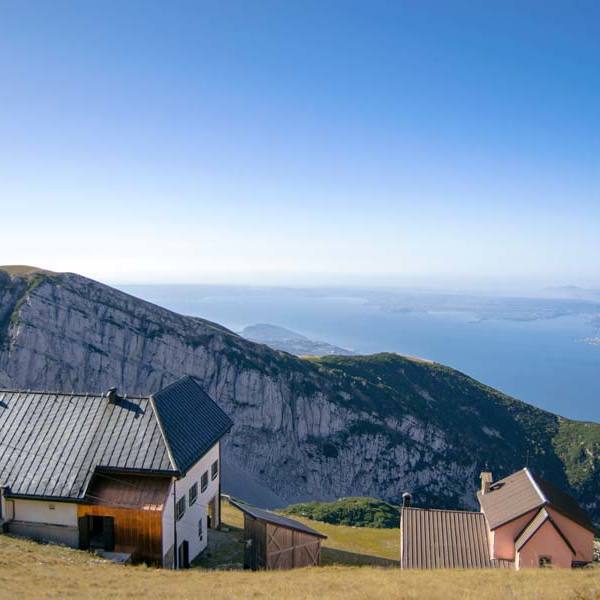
column 520, row 493
column 534, row 525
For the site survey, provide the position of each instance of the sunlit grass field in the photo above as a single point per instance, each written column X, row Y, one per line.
column 31, row 571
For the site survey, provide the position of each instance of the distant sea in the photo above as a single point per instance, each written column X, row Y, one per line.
column 543, row 361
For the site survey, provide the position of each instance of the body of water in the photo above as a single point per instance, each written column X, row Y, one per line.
column 543, row 362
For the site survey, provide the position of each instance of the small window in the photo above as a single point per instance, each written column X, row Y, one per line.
column 545, row 561
column 200, row 530
column 214, row 469
column 204, row 481
column 180, row 508
column 193, row 494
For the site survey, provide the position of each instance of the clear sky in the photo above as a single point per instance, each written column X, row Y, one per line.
column 299, row 141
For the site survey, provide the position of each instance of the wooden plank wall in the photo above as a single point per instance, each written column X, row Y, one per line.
column 255, row 555
column 138, row 532
column 288, row 548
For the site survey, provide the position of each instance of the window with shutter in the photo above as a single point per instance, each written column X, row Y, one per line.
column 193, row 494
column 180, row 508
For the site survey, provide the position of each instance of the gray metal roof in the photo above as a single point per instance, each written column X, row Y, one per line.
column 51, row 443
column 444, row 539
column 275, row 519
column 192, row 422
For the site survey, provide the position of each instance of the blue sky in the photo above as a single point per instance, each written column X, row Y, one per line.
column 431, row 142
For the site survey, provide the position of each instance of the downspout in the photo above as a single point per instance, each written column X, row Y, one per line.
column 175, row 551
column 220, row 471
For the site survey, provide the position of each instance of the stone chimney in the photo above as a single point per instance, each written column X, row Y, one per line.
column 486, row 481
column 406, row 500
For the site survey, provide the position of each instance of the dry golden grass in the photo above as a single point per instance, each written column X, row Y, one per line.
column 32, row 571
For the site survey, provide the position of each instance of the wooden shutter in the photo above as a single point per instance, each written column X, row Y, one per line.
column 108, row 526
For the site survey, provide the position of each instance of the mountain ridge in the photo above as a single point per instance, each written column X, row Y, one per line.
column 307, row 429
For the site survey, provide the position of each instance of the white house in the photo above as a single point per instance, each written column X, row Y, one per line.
column 137, row 475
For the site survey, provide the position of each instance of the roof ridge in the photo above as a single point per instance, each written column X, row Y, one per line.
column 162, row 432
column 72, row 394
column 536, row 486
column 452, row 510
column 178, row 380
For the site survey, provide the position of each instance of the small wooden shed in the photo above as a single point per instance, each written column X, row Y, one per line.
column 273, row 541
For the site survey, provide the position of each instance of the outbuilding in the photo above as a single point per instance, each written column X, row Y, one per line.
column 273, row 541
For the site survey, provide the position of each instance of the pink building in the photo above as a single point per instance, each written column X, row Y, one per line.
column 524, row 522
column 533, row 523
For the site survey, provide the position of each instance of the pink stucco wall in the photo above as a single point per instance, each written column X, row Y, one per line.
column 545, row 542
column 580, row 538
column 502, row 539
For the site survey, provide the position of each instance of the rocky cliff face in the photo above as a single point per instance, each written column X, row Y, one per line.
column 305, row 429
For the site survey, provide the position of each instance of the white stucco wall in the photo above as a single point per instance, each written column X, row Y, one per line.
column 42, row 511
column 187, row 526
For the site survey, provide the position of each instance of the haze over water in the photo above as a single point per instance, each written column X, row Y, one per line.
column 548, row 362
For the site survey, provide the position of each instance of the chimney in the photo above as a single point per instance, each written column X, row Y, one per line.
column 406, row 499
column 111, row 395
column 486, row 481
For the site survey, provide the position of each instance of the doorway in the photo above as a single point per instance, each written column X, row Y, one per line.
column 97, row 533
column 211, row 520
column 183, row 557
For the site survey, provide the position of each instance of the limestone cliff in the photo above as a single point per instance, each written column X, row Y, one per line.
column 304, row 429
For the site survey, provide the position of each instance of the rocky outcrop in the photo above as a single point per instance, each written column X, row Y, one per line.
column 304, row 429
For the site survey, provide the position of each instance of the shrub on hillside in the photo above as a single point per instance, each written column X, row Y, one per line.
column 359, row 512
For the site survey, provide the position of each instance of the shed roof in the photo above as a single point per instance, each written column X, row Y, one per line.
column 523, row 492
column 444, row 539
column 51, row 443
column 276, row 519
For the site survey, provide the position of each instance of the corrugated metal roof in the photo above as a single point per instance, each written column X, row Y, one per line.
column 51, row 443
column 521, row 493
column 444, row 539
column 192, row 422
column 534, row 525
column 275, row 519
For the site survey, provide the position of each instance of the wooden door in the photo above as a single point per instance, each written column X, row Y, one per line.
column 108, row 524
column 84, row 532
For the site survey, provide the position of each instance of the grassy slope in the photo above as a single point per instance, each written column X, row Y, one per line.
column 32, row 571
